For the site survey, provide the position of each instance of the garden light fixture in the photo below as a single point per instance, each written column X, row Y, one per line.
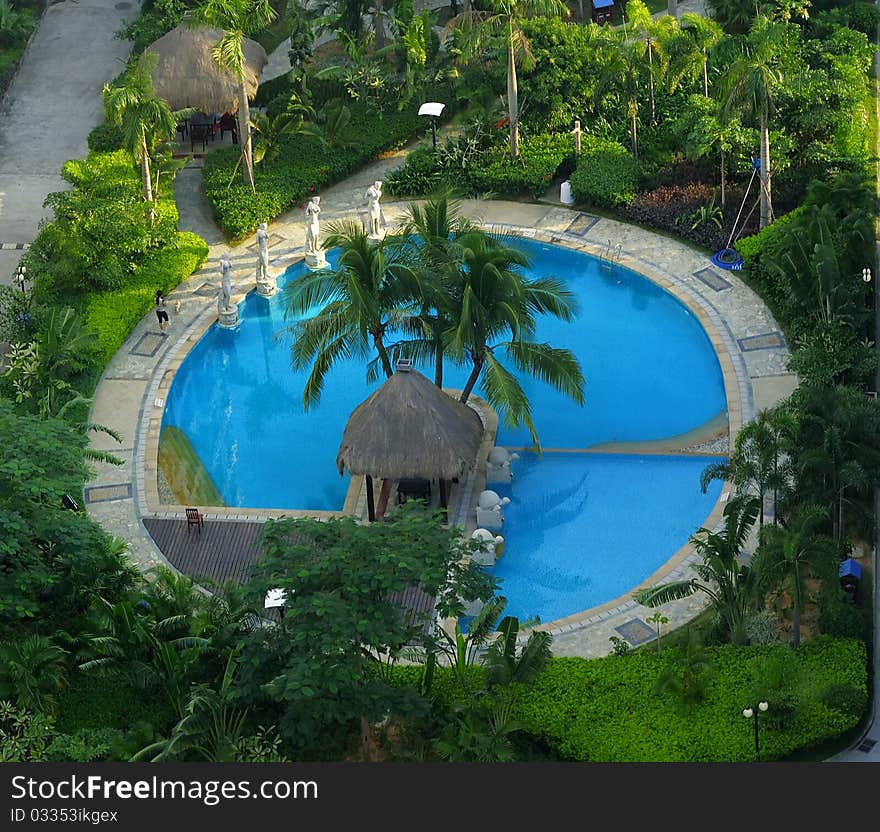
column 752, row 713
column 433, row 109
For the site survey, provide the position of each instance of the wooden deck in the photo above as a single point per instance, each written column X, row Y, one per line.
column 224, row 551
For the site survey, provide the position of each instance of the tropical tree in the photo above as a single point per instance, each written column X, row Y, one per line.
column 750, row 84
column 238, row 19
column 480, row 731
column 622, row 71
column 787, row 555
column 505, row 665
column 269, row 131
column 687, row 673
column 755, row 463
column 32, row 671
column 721, row 576
column 689, row 52
column 434, row 228
column 653, row 35
column 143, row 118
column 367, row 295
column 491, row 300
column 504, row 18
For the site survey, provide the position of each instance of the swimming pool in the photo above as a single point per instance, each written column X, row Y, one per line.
column 651, row 373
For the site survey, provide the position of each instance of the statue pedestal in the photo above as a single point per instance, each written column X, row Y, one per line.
column 376, row 238
column 316, row 259
column 266, row 290
column 228, row 318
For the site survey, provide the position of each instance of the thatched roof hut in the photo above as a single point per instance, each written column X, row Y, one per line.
column 409, row 428
column 186, row 74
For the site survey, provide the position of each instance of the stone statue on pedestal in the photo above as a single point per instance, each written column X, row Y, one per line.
column 314, row 256
column 374, row 194
column 228, row 314
column 265, row 283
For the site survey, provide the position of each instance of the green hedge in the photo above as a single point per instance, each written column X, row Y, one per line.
column 540, row 158
column 606, row 709
column 302, row 167
column 112, row 315
column 105, row 138
column 607, row 174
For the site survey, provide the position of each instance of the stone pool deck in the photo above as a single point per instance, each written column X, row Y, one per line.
column 131, row 393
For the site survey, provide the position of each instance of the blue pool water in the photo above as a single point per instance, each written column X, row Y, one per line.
column 582, row 529
column 651, row 373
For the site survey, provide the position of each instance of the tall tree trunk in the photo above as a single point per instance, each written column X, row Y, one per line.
column 379, row 24
column 633, row 135
column 796, row 621
column 706, row 76
column 651, row 81
column 512, row 97
column 438, row 365
column 840, row 520
column 761, row 498
column 723, row 180
column 672, row 8
column 766, row 207
column 581, row 9
column 472, row 380
column 244, row 136
column 383, row 355
column 467, row 6
column 145, row 168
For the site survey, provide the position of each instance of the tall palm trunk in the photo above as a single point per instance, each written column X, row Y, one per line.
column 379, row 24
column 706, row 75
column 633, row 115
column 672, row 8
column 766, row 207
column 796, row 619
column 472, row 379
column 145, row 168
column 651, row 81
column 438, row 364
column 244, row 133
column 379, row 343
column 723, row 180
column 512, row 96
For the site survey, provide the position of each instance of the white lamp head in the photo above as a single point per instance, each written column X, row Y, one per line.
column 748, row 713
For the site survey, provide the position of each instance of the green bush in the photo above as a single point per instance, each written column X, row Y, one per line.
column 112, row 315
column 540, row 157
column 105, row 138
column 607, row 174
column 303, row 166
column 843, row 619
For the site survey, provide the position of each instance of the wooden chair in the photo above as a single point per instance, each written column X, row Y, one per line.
column 194, row 518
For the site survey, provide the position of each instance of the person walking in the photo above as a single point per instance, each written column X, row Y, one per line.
column 161, row 314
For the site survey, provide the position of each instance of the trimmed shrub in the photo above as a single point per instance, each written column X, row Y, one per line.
column 607, row 174
column 112, row 315
column 105, row 138
column 843, row 619
column 540, row 157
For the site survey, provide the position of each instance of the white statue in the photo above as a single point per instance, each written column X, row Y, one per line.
column 224, row 302
column 490, row 547
column 498, row 465
column 489, row 506
column 312, row 227
column 265, row 284
column 374, row 194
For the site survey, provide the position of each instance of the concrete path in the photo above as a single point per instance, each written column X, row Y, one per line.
column 48, row 111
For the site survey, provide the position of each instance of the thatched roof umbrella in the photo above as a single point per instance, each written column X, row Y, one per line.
column 186, row 74
column 409, row 428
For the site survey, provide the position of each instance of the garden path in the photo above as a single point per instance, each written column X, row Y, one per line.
column 51, row 105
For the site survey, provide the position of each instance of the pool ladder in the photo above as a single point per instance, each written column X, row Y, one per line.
column 611, row 257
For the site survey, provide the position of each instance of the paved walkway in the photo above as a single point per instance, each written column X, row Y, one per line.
column 48, row 111
column 131, row 394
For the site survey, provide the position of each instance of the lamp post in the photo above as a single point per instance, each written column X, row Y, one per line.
column 752, row 713
column 433, row 109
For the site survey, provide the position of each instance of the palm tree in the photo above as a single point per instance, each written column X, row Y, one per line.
column 368, row 294
column 290, row 122
column 689, row 53
column 622, row 70
column 653, row 34
column 32, row 671
column 238, row 19
column 504, row 18
column 754, row 462
column 721, row 576
column 436, row 227
column 491, row 300
column 788, row 555
column 132, row 105
column 750, row 84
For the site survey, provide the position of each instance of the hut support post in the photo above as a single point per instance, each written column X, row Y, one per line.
column 444, row 500
column 371, row 505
